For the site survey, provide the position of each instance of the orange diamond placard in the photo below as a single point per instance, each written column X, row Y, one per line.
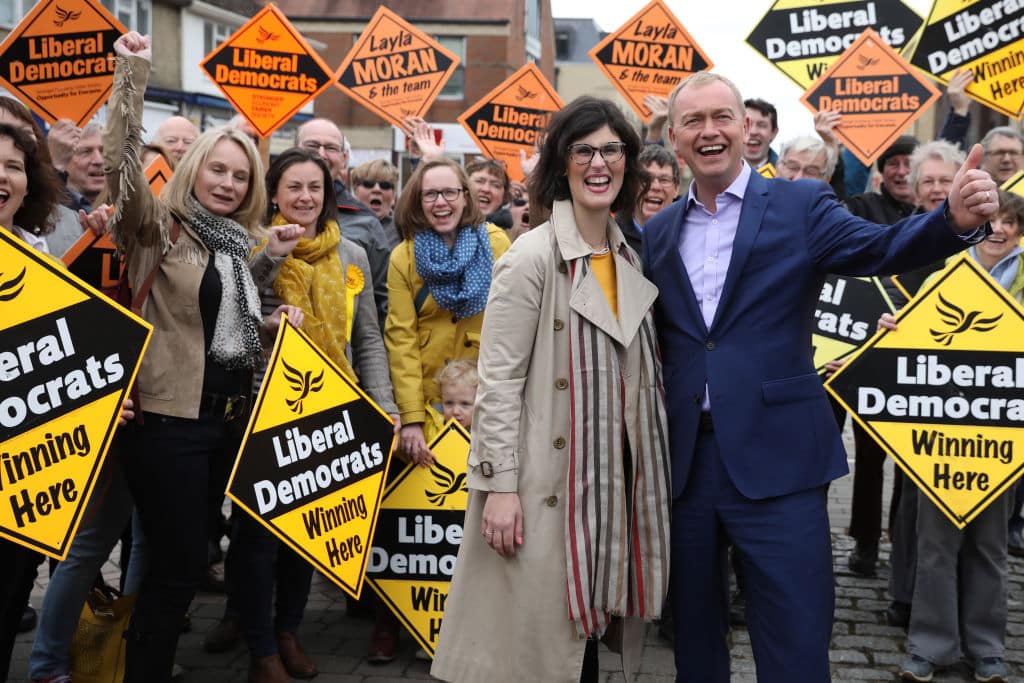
column 59, row 60
column 157, row 174
column 394, row 69
column 878, row 93
column 510, row 117
column 267, row 70
column 649, row 55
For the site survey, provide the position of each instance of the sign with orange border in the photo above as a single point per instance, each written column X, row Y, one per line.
column 267, row 70
column 978, row 35
column 802, row 38
column 942, row 394
column 511, row 118
column 59, row 60
column 649, row 55
column 157, row 174
column 314, row 459
column 394, row 69
column 96, row 260
column 68, row 356
column 419, row 534
column 878, row 93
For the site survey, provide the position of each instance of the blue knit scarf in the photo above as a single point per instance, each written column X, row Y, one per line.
column 458, row 278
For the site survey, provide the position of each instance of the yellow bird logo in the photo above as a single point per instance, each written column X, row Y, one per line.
column 12, row 288
column 64, row 15
column 303, row 383
column 449, row 482
column 959, row 321
column 263, row 35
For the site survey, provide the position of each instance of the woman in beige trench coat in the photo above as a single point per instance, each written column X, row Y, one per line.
column 566, row 531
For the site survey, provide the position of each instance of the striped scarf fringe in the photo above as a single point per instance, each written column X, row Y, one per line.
column 617, row 546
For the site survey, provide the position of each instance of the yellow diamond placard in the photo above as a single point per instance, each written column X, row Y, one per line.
column 1014, row 184
column 878, row 93
column 802, row 38
column 944, row 394
column 59, row 60
column 846, row 315
column 419, row 534
column 394, row 69
column 267, row 70
column 68, row 356
column 314, row 459
column 984, row 36
column 510, row 117
column 767, row 170
column 649, row 55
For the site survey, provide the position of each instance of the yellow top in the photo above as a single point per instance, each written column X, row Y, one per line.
column 604, row 270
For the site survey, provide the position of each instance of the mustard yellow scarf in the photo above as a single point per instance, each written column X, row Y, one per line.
column 312, row 279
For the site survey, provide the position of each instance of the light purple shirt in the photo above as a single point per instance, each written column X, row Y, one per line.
column 706, row 246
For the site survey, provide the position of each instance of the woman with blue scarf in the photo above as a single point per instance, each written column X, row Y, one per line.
column 438, row 280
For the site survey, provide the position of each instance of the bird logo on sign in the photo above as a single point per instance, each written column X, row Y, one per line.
column 525, row 94
column 263, row 35
column 449, row 482
column 12, row 288
column 865, row 61
column 960, row 321
column 64, row 15
column 303, row 383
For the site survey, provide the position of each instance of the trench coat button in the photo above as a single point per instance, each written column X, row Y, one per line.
column 710, row 346
column 558, row 324
column 559, row 443
column 551, row 501
column 562, row 268
column 561, row 383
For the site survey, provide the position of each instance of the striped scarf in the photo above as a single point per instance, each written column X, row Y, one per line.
column 617, row 547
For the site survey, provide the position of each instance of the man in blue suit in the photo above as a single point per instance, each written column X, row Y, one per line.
column 739, row 263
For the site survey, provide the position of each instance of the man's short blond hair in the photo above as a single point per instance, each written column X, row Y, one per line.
column 700, row 79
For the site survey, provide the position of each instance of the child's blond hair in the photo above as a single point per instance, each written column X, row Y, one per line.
column 458, row 372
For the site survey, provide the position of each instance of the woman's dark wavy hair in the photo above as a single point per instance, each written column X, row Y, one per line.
column 44, row 187
column 580, row 118
column 287, row 159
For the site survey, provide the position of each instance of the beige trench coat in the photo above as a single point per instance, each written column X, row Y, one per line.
column 508, row 619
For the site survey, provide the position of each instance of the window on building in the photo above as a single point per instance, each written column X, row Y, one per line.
column 533, row 19
column 11, row 13
column 214, row 34
column 134, row 14
column 563, row 44
column 455, row 88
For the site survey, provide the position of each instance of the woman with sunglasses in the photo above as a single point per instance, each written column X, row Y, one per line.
column 438, row 281
column 375, row 183
column 566, row 533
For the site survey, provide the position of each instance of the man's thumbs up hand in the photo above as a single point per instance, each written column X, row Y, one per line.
column 974, row 196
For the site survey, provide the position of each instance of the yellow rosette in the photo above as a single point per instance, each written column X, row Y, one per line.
column 354, row 283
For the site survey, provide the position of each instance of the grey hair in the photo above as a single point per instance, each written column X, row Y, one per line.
column 1003, row 131
column 939, row 150
column 807, row 143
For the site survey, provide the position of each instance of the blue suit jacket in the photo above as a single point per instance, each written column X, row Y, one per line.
column 773, row 423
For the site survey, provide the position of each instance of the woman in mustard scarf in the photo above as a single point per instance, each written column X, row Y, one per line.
column 325, row 276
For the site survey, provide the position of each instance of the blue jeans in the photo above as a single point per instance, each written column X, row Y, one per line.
column 106, row 515
column 257, row 561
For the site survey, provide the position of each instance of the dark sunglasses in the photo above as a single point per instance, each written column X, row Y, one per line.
column 384, row 184
column 520, row 202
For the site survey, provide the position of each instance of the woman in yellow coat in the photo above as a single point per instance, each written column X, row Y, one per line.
column 438, row 281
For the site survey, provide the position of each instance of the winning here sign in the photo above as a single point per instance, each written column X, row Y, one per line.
column 943, row 394
column 67, row 358
column 312, row 464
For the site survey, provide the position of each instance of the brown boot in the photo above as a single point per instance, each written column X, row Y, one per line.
column 267, row 670
column 296, row 662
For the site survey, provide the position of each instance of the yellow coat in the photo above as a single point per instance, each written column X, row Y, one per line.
column 419, row 345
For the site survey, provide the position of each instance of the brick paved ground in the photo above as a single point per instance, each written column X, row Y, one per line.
column 863, row 647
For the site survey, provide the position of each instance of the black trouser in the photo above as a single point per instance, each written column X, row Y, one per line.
column 172, row 466
column 17, row 574
column 868, row 478
column 590, row 672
